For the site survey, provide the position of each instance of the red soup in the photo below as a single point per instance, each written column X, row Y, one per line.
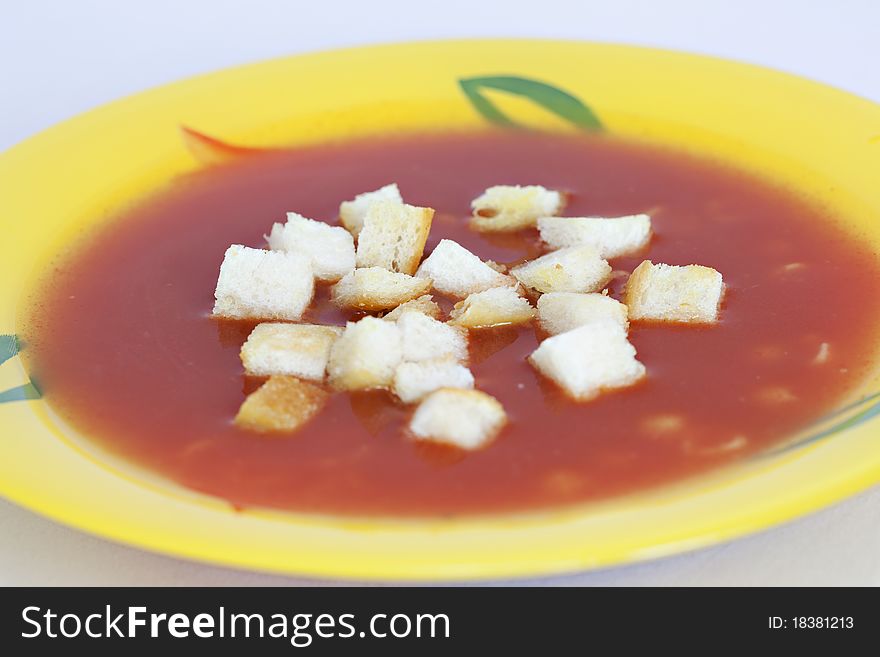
column 124, row 348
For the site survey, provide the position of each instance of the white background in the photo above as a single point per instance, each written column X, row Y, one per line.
column 60, row 58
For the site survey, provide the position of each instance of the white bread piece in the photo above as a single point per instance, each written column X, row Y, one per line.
column 589, row 359
column 330, row 248
column 513, row 207
column 376, row 288
column 282, row 404
column 559, row 312
column 425, row 304
column 670, row 293
column 573, row 269
column 425, row 338
column 493, row 307
column 352, row 213
column 457, row 272
column 611, row 237
column 366, row 355
column 258, row 284
column 468, row 419
column 394, row 236
column 412, row 381
column 293, row 349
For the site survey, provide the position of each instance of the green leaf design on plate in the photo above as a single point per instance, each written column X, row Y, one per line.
column 20, row 393
column 551, row 98
column 849, row 420
column 9, row 347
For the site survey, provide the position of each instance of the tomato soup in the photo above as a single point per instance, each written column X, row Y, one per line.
column 122, row 343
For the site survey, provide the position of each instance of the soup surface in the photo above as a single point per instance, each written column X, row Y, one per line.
column 124, row 349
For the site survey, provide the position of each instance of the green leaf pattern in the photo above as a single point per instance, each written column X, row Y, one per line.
column 551, row 98
column 10, row 345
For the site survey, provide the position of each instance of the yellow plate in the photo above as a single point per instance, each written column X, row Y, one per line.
column 54, row 185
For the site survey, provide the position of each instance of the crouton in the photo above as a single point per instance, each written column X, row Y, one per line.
column 366, row 355
column 424, row 338
column 589, row 359
column 494, row 307
column 376, row 288
column 612, row 238
column 669, row 293
column 424, row 304
column 512, row 207
column 574, row 269
column 463, row 418
column 559, row 312
column 412, row 381
column 330, row 248
column 393, row 236
column 352, row 213
column 258, row 284
column 282, row 404
column 457, row 272
column 294, row 349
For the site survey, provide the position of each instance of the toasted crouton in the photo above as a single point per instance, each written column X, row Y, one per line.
column 412, row 381
column 424, row 304
column 424, row 338
column 457, row 272
column 574, row 269
column 393, row 236
column 512, row 207
column 589, row 359
column 258, row 284
column 559, row 312
column 612, row 238
column 494, row 307
column 294, row 349
column 282, row 404
column 376, row 288
column 669, row 293
column 366, row 355
column 352, row 213
column 330, row 248
column 464, row 418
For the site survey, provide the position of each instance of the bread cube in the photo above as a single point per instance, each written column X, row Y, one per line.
column 394, row 236
column 293, row 349
column 376, row 288
column 574, row 269
column 282, row 404
column 589, row 359
column 612, row 238
column 424, row 304
column 494, row 307
column 366, row 355
column 258, row 284
column 457, row 272
column 559, row 312
column 330, row 248
column 467, row 419
column 424, row 338
column 670, row 293
column 352, row 213
column 513, row 207
column 412, row 381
